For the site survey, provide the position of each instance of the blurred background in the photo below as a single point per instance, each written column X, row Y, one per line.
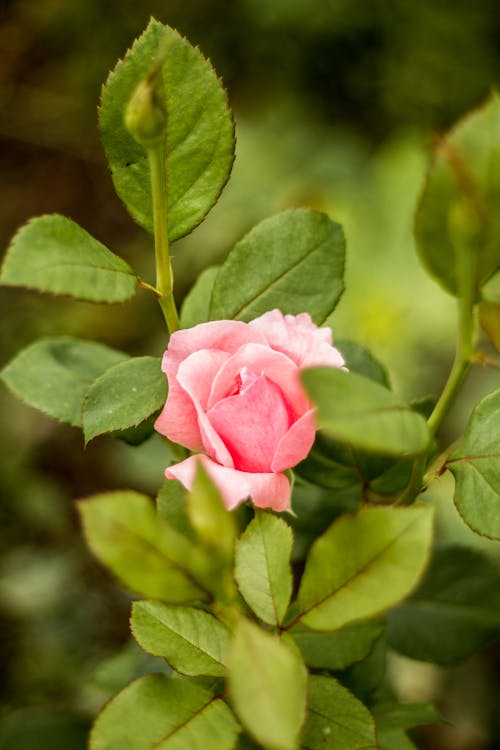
column 336, row 103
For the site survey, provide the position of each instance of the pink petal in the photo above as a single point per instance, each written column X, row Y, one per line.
column 226, row 335
column 252, row 423
column 296, row 444
column 261, row 360
column 299, row 338
column 179, row 420
column 266, row 490
column 195, row 376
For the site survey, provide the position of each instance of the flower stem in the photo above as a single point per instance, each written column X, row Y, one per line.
column 164, row 278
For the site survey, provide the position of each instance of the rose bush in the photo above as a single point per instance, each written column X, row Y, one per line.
column 236, row 400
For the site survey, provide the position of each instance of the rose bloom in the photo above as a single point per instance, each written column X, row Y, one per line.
column 236, row 400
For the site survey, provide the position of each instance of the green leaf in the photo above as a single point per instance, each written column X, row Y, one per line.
column 209, row 517
column 196, row 306
column 339, row 649
column 163, row 712
column 262, row 568
column 53, row 254
column 293, row 261
column 476, row 468
column 463, row 174
column 171, row 505
column 199, row 134
column 267, row 686
column 191, row 640
column 364, row 564
column 455, row 610
column 336, row 720
column 358, row 411
column 405, row 715
column 124, row 396
column 360, row 360
column 53, row 374
column 124, row 532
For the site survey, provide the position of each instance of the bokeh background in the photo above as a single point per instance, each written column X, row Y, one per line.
column 336, row 104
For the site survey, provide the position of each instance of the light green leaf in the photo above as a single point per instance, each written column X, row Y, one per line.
column 196, row 306
column 336, row 720
column 191, row 640
column 199, row 137
column 455, row 610
column 364, row 564
column 267, row 686
column 340, row 649
column 209, row 517
column 358, row 411
column 293, row 261
column 476, row 468
column 124, row 532
column 262, row 567
column 405, row 715
column 124, row 396
column 464, row 175
column 53, row 254
column 53, row 374
column 158, row 712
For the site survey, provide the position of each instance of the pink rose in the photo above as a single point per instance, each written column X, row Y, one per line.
column 236, row 400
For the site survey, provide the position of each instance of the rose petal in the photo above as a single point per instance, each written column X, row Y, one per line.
column 195, row 376
column 252, row 423
column 178, row 419
column 265, row 490
column 299, row 338
column 296, row 444
column 261, row 360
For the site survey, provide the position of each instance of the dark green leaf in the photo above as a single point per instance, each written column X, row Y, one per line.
column 191, row 640
column 358, row 411
column 53, row 254
column 360, row 360
column 124, row 396
column 199, row 137
column 124, row 532
column 267, row 685
column 364, row 564
column 340, row 649
column 262, row 567
column 293, row 261
column 196, row 305
column 158, row 711
column 476, row 468
column 336, row 720
column 455, row 610
column 464, row 175
column 405, row 715
column 53, row 374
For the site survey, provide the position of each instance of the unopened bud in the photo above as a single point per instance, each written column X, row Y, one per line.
column 145, row 115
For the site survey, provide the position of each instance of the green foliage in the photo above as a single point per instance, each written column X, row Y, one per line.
column 363, row 564
column 54, row 374
column 196, row 306
column 454, row 611
column 159, row 711
column 262, row 569
column 53, row 254
column 213, row 523
column 393, row 718
column 476, row 468
column 199, row 133
column 267, row 685
column 340, row 648
column 293, row 261
column 360, row 360
column 336, row 720
column 191, row 640
column 124, row 532
column 123, row 396
column 459, row 203
column 363, row 413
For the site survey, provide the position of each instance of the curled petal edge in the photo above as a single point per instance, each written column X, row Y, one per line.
column 265, row 490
